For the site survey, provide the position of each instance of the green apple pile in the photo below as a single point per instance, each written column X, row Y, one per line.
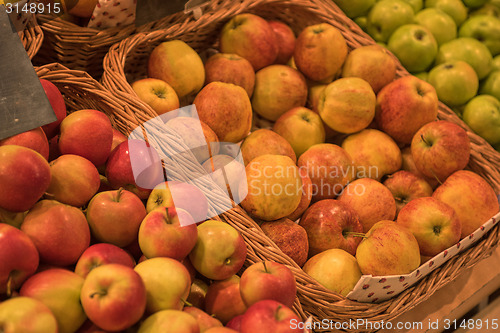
column 86, row 246
column 452, row 44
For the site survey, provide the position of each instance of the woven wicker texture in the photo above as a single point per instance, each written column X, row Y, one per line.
column 84, row 48
column 126, row 62
column 32, row 37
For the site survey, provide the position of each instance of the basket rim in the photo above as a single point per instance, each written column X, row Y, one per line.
column 115, row 80
column 32, row 37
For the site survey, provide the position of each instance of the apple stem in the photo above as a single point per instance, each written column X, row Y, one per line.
column 439, row 181
column 355, row 234
column 119, row 194
column 265, row 267
column 424, row 140
column 99, row 293
column 49, row 196
column 186, row 302
column 402, row 200
column 276, row 315
column 10, row 285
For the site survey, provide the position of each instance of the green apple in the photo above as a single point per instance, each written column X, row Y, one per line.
column 441, row 25
column 496, row 64
column 219, row 252
column 167, row 283
column 469, row 50
column 386, row 16
column 482, row 114
column 59, row 289
column 362, row 22
column 455, row 82
column 487, row 9
column 415, row 4
column 415, row 47
column 335, row 269
column 27, row 315
column 355, row 8
column 424, row 76
column 485, row 29
column 474, row 3
column 491, row 85
column 455, row 8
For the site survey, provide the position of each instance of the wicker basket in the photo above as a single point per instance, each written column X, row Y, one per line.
column 126, row 62
column 82, row 48
column 32, row 37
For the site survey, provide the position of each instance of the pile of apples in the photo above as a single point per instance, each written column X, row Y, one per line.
column 88, row 244
column 364, row 180
column 83, row 248
column 452, row 44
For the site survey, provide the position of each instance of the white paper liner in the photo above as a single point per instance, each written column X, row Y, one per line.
column 113, row 13
column 371, row 289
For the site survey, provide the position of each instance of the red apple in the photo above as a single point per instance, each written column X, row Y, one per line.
column 330, row 168
column 320, row 51
column 440, row 148
column 18, row 256
column 230, row 68
column 24, row 177
column 307, row 193
column 285, row 39
column 205, row 321
column 74, row 181
column 472, row 198
column 235, row 323
column 328, row 223
column 268, row 280
column 180, row 195
column 54, row 151
column 115, row 216
column 26, row 315
column 223, row 299
column 434, row 224
column 226, row 109
column 101, row 254
column 118, row 137
column 371, row 200
column 270, row 316
column 405, row 105
column 56, row 100
column 135, row 166
column 113, row 297
column 59, row 289
column 34, row 139
column 162, row 235
column 87, row 133
column 406, row 186
column 60, row 232
column 290, row 237
column 251, row 37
